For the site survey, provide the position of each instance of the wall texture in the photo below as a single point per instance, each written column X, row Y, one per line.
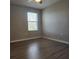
column 18, row 21
column 56, row 21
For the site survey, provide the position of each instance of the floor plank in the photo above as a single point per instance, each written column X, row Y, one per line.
column 39, row 49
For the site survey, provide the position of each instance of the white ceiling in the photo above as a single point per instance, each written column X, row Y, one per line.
column 45, row 3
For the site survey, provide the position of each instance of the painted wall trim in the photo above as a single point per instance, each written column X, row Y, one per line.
column 56, row 40
column 25, row 39
column 40, row 37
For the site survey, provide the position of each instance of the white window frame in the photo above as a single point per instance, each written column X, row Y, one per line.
column 32, row 21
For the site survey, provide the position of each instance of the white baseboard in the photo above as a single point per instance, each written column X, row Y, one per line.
column 57, row 40
column 39, row 37
column 25, row 39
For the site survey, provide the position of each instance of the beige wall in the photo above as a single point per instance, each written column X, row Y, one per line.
column 56, row 21
column 18, row 20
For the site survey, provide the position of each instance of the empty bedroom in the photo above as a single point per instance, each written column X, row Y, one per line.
column 39, row 29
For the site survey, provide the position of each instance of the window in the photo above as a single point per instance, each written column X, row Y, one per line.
column 32, row 21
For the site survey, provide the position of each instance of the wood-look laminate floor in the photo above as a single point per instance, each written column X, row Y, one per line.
column 39, row 49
